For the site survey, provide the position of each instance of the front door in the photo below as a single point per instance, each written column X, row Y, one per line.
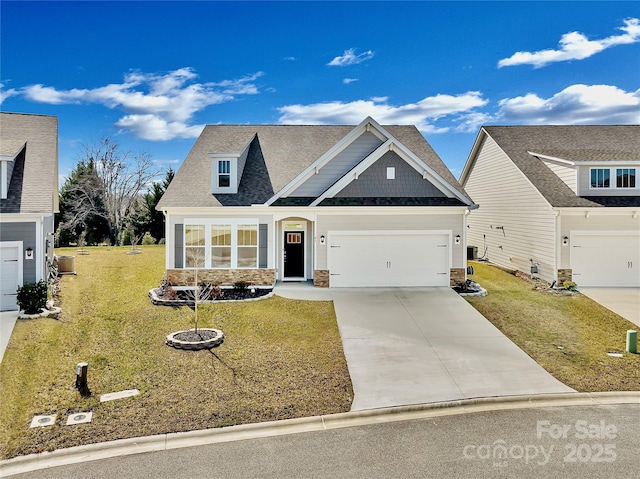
column 294, row 254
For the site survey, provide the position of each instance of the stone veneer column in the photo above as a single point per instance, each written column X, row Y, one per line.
column 321, row 278
column 457, row 276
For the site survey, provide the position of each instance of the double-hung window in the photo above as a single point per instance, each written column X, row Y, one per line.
column 224, row 173
column 221, row 246
column 194, row 246
column 221, row 243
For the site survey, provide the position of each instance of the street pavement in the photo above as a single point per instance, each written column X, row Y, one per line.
column 587, row 441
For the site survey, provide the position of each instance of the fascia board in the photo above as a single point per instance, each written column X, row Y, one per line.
column 471, row 159
column 328, row 156
column 553, row 159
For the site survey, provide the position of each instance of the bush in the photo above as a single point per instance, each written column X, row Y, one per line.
column 240, row 285
column 32, row 297
column 570, row 286
column 147, row 239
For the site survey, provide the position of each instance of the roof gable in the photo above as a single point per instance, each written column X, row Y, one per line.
column 302, row 163
column 568, row 144
column 33, row 142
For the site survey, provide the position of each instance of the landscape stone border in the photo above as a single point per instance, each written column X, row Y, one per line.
column 216, row 340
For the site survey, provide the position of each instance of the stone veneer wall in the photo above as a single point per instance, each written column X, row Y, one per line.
column 457, row 276
column 258, row 277
column 321, row 278
column 564, row 275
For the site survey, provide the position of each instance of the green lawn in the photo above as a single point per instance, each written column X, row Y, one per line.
column 281, row 359
column 569, row 336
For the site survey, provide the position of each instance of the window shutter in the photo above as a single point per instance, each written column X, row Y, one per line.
column 178, row 241
column 263, row 237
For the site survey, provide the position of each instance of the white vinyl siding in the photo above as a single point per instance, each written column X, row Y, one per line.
column 338, row 166
column 584, row 181
column 514, row 222
column 568, row 174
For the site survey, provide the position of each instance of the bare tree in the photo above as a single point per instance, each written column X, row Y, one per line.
column 110, row 187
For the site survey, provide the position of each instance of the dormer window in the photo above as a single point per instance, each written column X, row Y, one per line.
column 623, row 178
column 224, row 174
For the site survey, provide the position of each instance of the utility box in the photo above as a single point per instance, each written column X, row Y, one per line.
column 66, row 265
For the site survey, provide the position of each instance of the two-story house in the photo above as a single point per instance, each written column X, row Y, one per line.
column 559, row 201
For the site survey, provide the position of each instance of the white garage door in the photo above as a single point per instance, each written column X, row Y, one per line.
column 605, row 259
column 366, row 259
column 9, row 277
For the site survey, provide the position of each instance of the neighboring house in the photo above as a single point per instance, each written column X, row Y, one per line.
column 364, row 205
column 28, row 199
column 563, row 199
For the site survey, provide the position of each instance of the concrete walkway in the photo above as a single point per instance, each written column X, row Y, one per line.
column 423, row 345
column 7, row 322
column 623, row 301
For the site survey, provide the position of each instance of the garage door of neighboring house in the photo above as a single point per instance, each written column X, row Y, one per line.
column 605, row 259
column 10, row 276
column 370, row 259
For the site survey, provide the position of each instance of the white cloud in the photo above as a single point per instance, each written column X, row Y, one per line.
column 346, row 81
column 350, row 58
column 422, row 114
column 575, row 46
column 4, row 94
column 575, row 105
column 156, row 106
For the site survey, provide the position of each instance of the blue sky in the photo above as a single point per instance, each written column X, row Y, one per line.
column 150, row 74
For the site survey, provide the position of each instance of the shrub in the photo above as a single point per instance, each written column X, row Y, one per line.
column 32, row 297
column 147, row 239
column 240, row 285
column 570, row 286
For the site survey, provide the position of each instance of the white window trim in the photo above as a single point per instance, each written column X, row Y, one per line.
column 234, row 223
column 613, row 179
column 233, row 173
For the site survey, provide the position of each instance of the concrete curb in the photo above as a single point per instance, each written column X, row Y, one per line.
column 162, row 442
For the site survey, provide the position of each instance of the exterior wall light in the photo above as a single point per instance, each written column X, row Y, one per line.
column 322, row 239
column 28, row 253
column 457, row 239
column 565, row 241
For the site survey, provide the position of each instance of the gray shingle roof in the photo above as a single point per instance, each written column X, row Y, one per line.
column 573, row 143
column 34, row 178
column 278, row 153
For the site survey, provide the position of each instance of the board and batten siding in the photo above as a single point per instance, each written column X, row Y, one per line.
column 568, row 174
column 604, row 221
column 338, row 166
column 514, row 223
column 453, row 222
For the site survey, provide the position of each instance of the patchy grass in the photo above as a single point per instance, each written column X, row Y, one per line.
column 281, row 359
column 569, row 336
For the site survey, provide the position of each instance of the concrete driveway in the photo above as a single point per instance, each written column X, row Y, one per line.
column 420, row 345
column 623, row 301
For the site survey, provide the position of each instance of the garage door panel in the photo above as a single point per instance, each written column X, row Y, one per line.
column 606, row 260
column 9, row 277
column 389, row 260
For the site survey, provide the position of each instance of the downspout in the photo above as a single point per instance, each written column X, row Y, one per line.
column 167, row 250
column 556, row 243
column 465, row 259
